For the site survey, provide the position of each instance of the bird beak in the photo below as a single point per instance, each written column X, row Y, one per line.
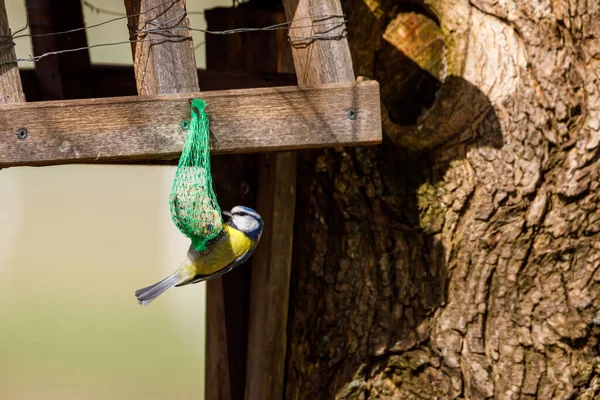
column 227, row 213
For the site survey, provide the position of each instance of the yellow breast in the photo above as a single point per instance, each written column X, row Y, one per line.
column 231, row 246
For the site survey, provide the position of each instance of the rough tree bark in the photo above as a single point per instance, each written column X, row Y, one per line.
column 461, row 258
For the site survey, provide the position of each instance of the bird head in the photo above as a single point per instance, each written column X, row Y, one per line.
column 246, row 220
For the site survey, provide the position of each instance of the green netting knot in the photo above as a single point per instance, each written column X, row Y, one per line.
column 193, row 202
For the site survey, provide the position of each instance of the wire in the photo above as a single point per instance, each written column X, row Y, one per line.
column 280, row 26
column 83, row 28
column 325, row 27
column 50, row 53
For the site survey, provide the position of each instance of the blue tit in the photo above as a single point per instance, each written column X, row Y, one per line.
column 231, row 248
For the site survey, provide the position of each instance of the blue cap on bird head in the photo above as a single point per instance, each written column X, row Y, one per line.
column 246, row 220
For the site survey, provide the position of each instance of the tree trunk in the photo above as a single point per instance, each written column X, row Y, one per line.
column 460, row 259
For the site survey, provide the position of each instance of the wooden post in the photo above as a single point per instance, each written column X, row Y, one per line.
column 62, row 76
column 270, row 282
column 321, row 61
column 266, row 337
column 276, row 202
column 11, row 90
column 317, row 63
column 167, row 67
column 163, row 62
column 218, row 378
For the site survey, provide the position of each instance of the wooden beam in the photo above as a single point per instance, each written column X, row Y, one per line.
column 62, row 76
column 148, row 127
column 11, row 90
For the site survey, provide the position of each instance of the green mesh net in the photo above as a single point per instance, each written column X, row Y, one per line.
column 193, row 203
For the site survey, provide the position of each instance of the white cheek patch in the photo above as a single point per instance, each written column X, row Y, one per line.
column 245, row 223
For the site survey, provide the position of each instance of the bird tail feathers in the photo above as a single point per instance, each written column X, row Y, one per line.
column 146, row 295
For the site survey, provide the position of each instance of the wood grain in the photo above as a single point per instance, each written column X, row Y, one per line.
column 235, row 181
column 320, row 61
column 270, row 282
column 217, row 354
column 164, row 62
column 11, row 90
column 148, row 127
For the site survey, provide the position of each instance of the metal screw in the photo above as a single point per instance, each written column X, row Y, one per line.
column 22, row 133
column 351, row 113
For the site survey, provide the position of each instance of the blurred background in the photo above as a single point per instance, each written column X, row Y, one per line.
column 75, row 243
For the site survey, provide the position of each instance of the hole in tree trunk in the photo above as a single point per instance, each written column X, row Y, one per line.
column 410, row 66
